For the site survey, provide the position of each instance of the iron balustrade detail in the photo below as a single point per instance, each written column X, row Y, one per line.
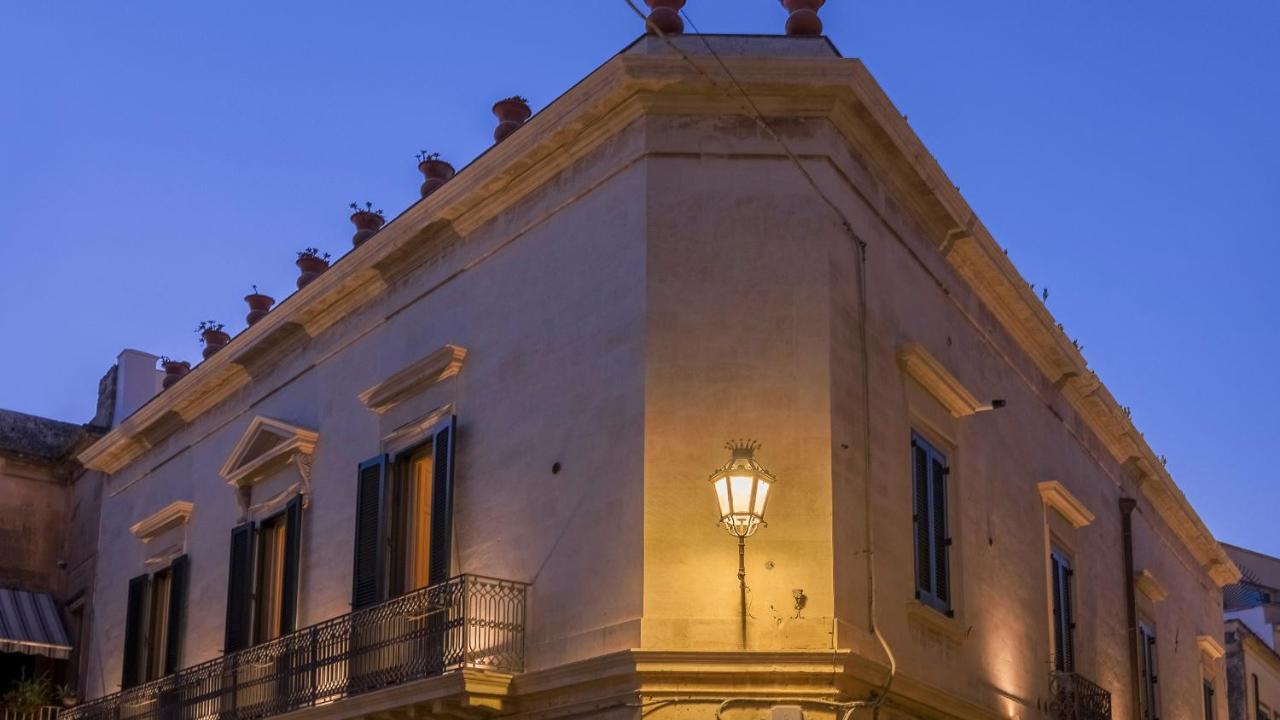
column 1075, row 697
column 467, row 622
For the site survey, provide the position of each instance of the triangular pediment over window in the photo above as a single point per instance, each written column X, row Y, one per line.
column 265, row 446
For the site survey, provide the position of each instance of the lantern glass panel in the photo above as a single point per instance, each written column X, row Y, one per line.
column 740, row 492
column 762, row 497
column 722, row 494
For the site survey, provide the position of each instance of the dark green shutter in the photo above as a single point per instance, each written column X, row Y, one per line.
column 292, row 565
column 240, row 589
column 135, row 623
column 1059, row 642
column 179, row 574
column 442, row 492
column 1068, row 619
column 368, row 575
column 920, row 491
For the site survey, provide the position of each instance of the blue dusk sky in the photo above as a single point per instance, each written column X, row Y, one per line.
column 158, row 158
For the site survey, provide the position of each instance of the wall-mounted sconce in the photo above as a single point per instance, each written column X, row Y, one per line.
column 742, row 488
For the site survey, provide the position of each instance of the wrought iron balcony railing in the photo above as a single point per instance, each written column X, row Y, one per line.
column 467, row 622
column 1074, row 697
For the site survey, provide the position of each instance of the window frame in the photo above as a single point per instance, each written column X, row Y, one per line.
column 402, row 463
column 1149, row 666
column 939, row 539
column 1062, row 608
column 276, row 522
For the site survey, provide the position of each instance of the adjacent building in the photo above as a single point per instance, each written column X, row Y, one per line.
column 464, row 472
column 1252, row 617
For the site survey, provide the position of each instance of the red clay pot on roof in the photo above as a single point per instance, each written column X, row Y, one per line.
column 437, row 172
column 803, row 20
column 259, row 306
column 367, row 223
column 512, row 112
column 664, row 16
column 173, row 371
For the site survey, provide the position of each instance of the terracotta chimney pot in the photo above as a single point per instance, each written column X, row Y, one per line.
column 803, row 20
column 512, row 113
column 664, row 16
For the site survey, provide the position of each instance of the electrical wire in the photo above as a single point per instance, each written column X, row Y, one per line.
column 861, row 255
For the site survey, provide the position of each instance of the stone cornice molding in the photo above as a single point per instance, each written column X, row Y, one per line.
column 175, row 514
column 1148, row 585
column 1210, row 646
column 1055, row 495
column 934, row 377
column 415, row 378
column 792, row 80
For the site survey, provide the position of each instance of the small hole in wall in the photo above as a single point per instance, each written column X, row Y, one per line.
column 948, row 341
column 555, row 468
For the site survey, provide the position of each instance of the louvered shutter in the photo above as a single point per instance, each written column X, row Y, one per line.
column 179, row 576
column 941, row 541
column 920, row 472
column 368, row 574
column 440, row 565
column 1068, row 620
column 1059, row 642
column 135, row 623
column 292, row 565
column 240, row 589
column 1208, row 700
column 1154, row 674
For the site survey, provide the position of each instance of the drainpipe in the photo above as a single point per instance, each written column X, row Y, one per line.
column 1127, row 506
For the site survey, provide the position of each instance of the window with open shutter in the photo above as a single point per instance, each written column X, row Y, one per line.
column 135, row 628
column 240, row 589
column 1063, row 612
column 291, row 572
column 367, row 574
column 932, row 536
column 179, row 574
column 1209, row 705
column 441, row 560
column 1147, row 655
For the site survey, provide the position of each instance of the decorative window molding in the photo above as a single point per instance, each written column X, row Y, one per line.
column 415, row 432
column 165, row 557
column 417, row 377
column 917, row 362
column 1056, row 496
column 175, row 514
column 266, row 447
column 1210, row 646
column 1148, row 585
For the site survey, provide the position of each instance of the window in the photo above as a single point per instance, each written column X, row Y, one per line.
column 1264, row 712
column 1208, row 699
column 411, row 521
column 1150, row 689
column 153, row 624
column 932, row 543
column 1064, row 625
column 404, row 512
column 262, row 586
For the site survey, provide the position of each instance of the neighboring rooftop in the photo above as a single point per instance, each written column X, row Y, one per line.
column 38, row 438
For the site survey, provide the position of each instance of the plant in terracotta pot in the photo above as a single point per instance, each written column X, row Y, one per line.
column 259, row 305
column 367, row 221
column 664, row 16
column 311, row 262
column 436, row 171
column 803, row 20
column 213, row 336
column 512, row 112
column 174, row 370
column 68, row 696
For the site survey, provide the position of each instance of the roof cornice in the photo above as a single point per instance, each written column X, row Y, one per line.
column 597, row 108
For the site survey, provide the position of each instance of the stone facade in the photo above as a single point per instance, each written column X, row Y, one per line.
column 640, row 273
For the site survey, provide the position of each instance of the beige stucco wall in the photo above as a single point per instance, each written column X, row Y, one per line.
column 675, row 287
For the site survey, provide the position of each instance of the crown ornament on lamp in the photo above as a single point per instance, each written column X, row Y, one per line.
column 742, row 488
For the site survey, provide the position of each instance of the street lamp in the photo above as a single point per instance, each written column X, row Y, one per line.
column 742, row 488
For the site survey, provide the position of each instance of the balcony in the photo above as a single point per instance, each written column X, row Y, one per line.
column 1074, row 697
column 468, row 622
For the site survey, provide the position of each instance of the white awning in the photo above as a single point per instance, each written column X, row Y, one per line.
column 29, row 624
